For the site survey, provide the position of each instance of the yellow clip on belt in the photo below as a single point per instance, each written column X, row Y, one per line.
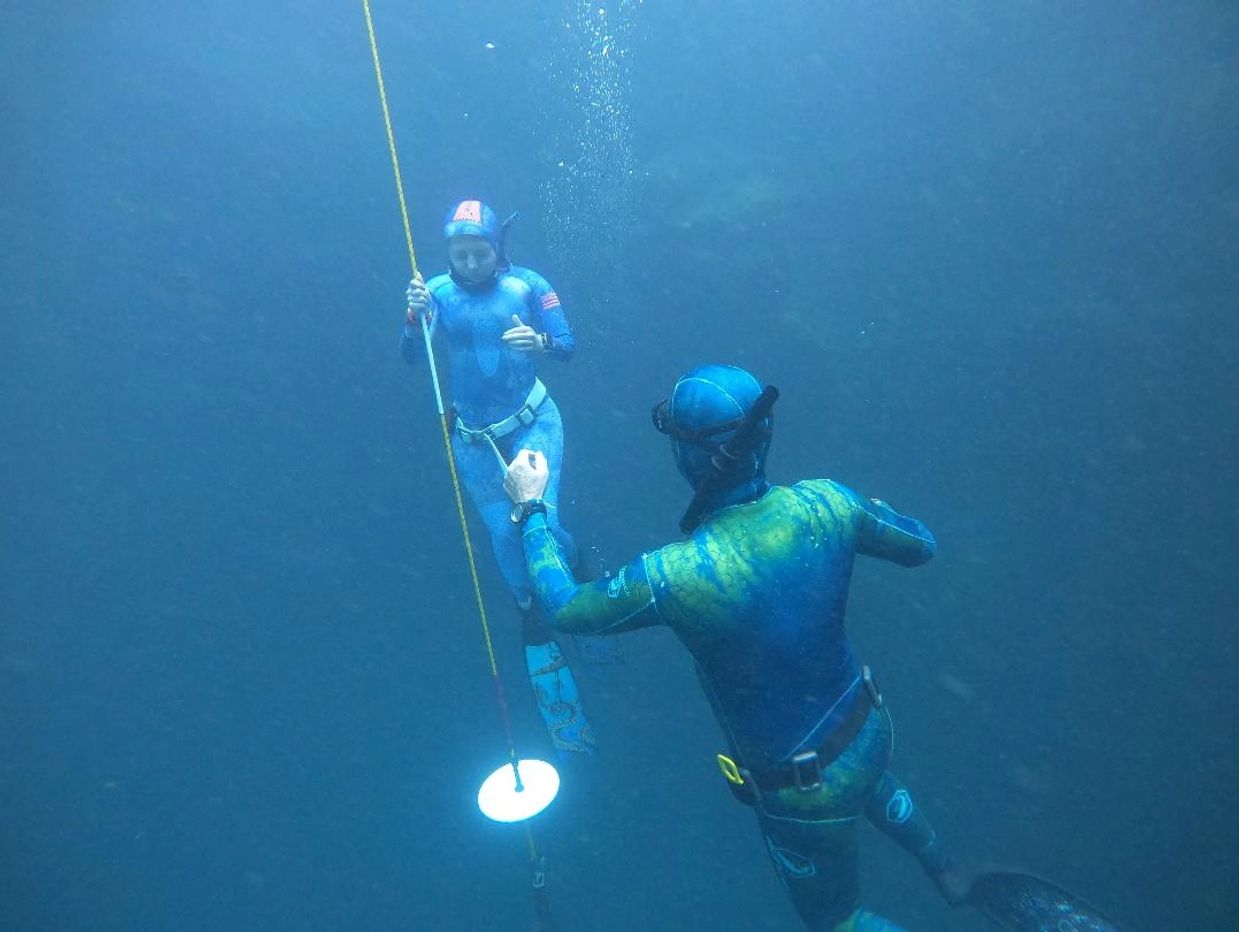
column 730, row 770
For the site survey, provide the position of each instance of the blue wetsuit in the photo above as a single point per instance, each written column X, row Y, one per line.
column 757, row 594
column 491, row 382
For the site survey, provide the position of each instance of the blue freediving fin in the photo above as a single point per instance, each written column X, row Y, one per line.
column 559, row 700
column 1024, row 903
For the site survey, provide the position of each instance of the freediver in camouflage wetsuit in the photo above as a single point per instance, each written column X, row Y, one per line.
column 757, row 593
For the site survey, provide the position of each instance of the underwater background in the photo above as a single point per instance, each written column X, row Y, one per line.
column 988, row 252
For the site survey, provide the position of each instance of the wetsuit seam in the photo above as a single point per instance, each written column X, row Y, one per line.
column 898, row 530
column 645, row 565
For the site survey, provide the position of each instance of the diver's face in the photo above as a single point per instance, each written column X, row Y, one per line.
column 472, row 258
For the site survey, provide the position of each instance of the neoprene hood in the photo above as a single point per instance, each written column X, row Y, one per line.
column 702, row 399
column 473, row 218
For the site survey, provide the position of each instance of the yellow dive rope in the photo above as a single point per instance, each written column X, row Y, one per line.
column 434, row 374
column 445, row 427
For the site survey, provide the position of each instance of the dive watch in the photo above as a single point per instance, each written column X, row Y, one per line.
column 522, row 510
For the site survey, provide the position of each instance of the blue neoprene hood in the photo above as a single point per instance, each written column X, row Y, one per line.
column 703, row 398
column 473, row 218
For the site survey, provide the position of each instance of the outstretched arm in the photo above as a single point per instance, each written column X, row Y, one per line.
column 603, row 606
column 883, row 532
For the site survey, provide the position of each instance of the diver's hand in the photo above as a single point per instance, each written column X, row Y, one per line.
column 522, row 337
column 527, row 476
column 419, row 302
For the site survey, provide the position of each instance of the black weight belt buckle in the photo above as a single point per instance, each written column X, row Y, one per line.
column 807, row 771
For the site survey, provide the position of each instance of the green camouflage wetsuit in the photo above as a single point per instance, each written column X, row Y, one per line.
column 757, row 594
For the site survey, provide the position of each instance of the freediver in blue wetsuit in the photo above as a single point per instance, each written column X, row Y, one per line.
column 757, row 594
column 498, row 319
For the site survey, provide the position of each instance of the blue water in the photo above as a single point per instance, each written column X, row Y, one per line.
column 988, row 252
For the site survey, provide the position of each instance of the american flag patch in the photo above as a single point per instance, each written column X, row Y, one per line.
column 469, row 211
column 549, row 301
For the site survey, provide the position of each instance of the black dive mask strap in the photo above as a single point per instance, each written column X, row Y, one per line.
column 661, row 416
column 728, row 456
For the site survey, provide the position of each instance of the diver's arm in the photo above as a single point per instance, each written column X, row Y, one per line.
column 420, row 301
column 883, row 532
column 604, row 606
column 557, row 337
column 549, row 317
column 411, row 343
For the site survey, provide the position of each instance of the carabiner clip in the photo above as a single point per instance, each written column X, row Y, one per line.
column 730, row 770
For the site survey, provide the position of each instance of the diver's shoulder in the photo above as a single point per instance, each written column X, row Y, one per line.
column 828, row 491
column 439, row 282
column 677, row 551
column 531, row 278
column 511, row 284
column 818, row 486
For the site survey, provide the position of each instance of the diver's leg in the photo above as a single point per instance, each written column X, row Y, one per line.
column 546, row 435
column 554, row 686
column 815, row 860
column 483, row 479
column 1012, row 899
column 812, row 837
column 897, row 815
